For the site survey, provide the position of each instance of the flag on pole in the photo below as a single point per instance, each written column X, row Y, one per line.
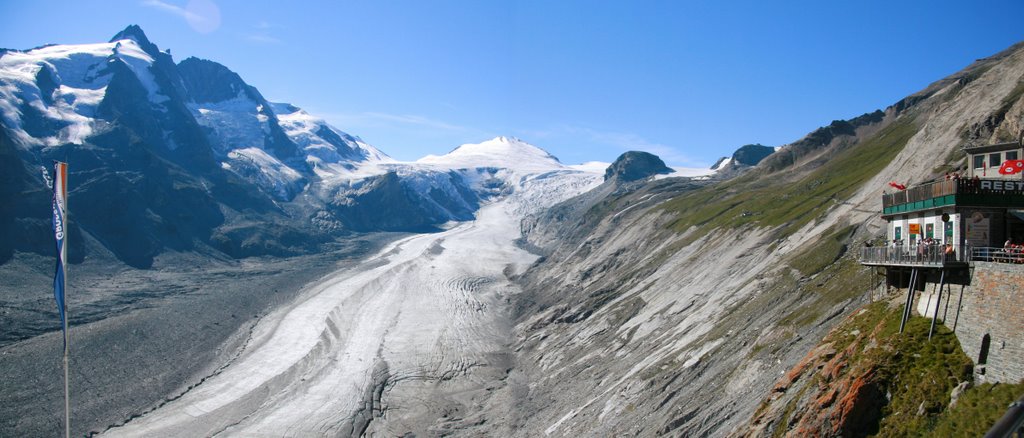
column 60, row 196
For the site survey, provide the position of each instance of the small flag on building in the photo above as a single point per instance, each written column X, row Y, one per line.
column 60, row 196
column 897, row 185
column 1010, row 167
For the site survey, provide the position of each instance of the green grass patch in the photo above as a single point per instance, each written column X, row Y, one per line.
column 916, row 374
column 920, row 374
column 773, row 200
column 977, row 410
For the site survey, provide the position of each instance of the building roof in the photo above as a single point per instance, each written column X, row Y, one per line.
column 992, row 147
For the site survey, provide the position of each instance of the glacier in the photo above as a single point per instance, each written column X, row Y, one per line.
column 427, row 308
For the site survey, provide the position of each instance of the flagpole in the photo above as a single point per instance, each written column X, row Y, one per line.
column 67, row 398
column 67, row 337
column 64, row 256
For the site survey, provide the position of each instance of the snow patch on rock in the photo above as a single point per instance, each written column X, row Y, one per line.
column 81, row 77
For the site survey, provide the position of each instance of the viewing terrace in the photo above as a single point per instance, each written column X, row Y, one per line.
column 919, row 256
column 935, row 256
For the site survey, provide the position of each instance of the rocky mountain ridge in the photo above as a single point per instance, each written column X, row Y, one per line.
column 189, row 157
column 683, row 305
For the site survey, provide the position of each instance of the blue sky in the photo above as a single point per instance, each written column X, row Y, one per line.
column 586, row 80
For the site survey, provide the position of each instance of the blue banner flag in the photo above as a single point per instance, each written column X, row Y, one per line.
column 60, row 196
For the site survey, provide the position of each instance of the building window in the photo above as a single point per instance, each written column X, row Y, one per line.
column 994, row 160
column 1011, row 155
column 979, row 161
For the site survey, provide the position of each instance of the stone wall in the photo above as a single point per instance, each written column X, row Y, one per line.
column 992, row 306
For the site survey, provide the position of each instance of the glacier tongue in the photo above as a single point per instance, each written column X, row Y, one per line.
column 380, row 337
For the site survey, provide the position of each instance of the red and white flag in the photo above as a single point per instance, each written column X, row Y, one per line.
column 897, row 185
column 1010, row 167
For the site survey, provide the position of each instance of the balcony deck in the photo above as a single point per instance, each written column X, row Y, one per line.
column 917, row 256
column 933, row 256
column 961, row 192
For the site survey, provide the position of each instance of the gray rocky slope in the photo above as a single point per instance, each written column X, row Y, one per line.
column 664, row 309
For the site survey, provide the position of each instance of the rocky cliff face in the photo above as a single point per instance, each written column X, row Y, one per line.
column 673, row 308
column 865, row 378
column 842, row 386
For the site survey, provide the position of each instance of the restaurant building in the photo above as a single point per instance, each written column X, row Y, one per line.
column 964, row 230
column 982, row 208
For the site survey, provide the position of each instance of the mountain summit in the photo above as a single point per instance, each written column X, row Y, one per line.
column 135, row 33
column 636, row 165
column 499, row 152
column 194, row 158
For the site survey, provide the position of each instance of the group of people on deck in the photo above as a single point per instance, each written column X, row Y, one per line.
column 1013, row 253
column 964, row 184
column 927, row 249
column 952, row 175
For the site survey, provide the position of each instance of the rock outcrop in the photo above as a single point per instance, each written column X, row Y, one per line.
column 866, row 378
column 636, row 165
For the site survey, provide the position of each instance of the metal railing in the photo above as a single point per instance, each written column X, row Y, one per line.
column 1000, row 255
column 916, row 255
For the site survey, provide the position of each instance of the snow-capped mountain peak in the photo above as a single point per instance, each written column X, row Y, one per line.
column 500, row 152
column 240, row 173
column 135, row 33
column 51, row 94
